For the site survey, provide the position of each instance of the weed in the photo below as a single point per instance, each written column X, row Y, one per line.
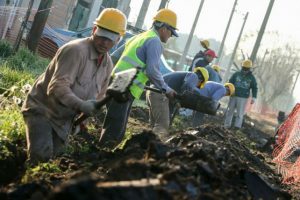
column 12, row 126
column 127, row 137
column 6, row 49
column 12, row 81
column 24, row 60
column 40, row 171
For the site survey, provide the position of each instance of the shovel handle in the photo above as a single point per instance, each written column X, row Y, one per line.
column 98, row 105
column 154, row 90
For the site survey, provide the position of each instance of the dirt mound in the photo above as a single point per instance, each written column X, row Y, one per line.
column 207, row 162
column 12, row 158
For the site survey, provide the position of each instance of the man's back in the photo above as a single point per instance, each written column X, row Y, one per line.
column 213, row 90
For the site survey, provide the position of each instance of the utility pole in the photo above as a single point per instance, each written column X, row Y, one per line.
column 38, row 24
column 188, row 43
column 140, row 20
column 261, row 32
column 108, row 4
column 234, row 50
column 298, row 72
column 225, row 34
column 163, row 4
column 23, row 26
column 124, row 6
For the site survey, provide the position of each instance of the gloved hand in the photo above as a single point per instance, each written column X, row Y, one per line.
column 171, row 94
column 88, row 107
column 252, row 100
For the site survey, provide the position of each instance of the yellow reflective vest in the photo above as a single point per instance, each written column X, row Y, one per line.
column 129, row 60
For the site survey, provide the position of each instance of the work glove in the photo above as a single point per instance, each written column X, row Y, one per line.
column 252, row 100
column 88, row 107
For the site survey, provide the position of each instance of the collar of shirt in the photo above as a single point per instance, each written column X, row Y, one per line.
column 92, row 51
column 155, row 31
column 94, row 55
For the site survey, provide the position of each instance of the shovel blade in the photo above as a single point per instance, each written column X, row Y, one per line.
column 119, row 87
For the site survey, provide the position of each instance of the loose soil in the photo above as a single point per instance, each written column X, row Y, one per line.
column 206, row 162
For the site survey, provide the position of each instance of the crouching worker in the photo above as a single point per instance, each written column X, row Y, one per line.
column 161, row 107
column 215, row 91
column 77, row 75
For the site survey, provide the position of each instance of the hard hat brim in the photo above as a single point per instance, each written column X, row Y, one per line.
column 174, row 33
column 107, row 34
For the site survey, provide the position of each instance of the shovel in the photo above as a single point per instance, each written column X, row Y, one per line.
column 194, row 101
column 118, row 90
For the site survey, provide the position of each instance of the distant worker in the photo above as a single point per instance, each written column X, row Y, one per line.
column 203, row 59
column 161, row 108
column 217, row 68
column 77, row 75
column 244, row 81
column 215, row 91
column 205, row 45
column 143, row 50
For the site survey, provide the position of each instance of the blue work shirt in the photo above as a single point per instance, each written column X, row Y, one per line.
column 213, row 75
column 213, row 90
column 198, row 62
column 181, row 81
column 219, row 78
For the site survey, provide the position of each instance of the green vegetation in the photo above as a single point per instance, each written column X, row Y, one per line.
column 41, row 171
column 17, row 73
column 6, row 49
column 26, row 61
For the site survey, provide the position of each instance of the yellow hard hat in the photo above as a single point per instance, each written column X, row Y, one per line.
column 166, row 16
column 112, row 19
column 217, row 68
column 204, row 44
column 230, row 87
column 247, row 63
column 204, row 74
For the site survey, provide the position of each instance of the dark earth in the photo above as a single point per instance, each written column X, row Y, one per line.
column 206, row 162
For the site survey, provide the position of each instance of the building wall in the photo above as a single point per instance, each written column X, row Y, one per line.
column 61, row 13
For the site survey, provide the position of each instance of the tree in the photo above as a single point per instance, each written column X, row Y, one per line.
column 275, row 69
column 38, row 24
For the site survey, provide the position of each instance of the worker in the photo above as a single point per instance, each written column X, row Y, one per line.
column 214, row 91
column 217, row 69
column 143, row 50
column 161, row 108
column 203, row 59
column 77, row 75
column 244, row 82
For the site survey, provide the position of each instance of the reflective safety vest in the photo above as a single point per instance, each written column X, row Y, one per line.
column 129, row 59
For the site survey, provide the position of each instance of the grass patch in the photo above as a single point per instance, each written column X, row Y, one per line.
column 12, row 126
column 40, row 171
column 24, row 60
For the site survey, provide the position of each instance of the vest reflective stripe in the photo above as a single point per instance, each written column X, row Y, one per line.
column 138, row 83
column 129, row 60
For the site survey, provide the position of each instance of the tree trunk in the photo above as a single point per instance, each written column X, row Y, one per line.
column 38, row 24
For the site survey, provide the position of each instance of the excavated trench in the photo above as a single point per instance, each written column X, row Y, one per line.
column 207, row 162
